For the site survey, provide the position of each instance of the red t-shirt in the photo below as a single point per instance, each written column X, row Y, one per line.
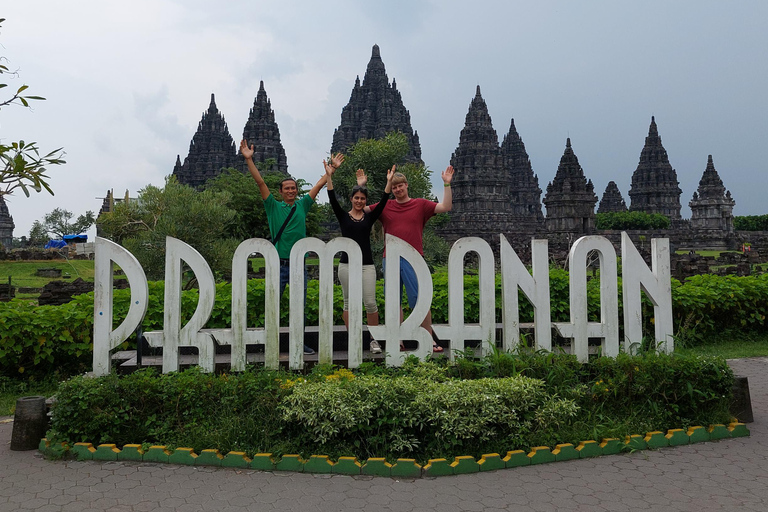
column 406, row 220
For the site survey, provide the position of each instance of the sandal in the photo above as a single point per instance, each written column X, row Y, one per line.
column 436, row 348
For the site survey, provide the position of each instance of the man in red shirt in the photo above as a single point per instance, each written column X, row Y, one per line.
column 405, row 218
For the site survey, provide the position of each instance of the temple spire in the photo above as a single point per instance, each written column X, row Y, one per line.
column 262, row 132
column 570, row 197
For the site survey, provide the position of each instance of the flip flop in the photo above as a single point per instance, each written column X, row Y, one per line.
column 436, row 348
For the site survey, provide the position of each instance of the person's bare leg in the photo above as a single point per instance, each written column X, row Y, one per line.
column 373, row 318
column 427, row 324
column 345, row 315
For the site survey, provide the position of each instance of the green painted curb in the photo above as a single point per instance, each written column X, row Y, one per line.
column 491, row 462
column 738, row 430
column 656, row 439
column 185, row 456
column 132, row 452
column 464, row 464
column 376, row 466
column 347, row 466
column 565, row 451
column 209, row 458
column 290, row 463
column 235, row 460
column 516, row 459
column 589, row 449
column 406, row 468
column 718, row 432
column 541, row 455
column 318, row 464
column 697, row 435
column 438, row 467
column 635, row 442
column 677, row 437
column 611, row 446
column 156, row 454
column 106, row 452
column 83, row 451
column 263, row 462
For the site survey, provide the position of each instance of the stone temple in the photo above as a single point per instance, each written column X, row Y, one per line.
column 712, row 205
column 612, row 201
column 375, row 109
column 6, row 224
column 213, row 149
column 570, row 198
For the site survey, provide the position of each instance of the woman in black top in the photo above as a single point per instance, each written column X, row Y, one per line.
column 356, row 224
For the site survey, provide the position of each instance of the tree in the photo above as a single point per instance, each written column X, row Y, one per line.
column 58, row 223
column 38, row 235
column 21, row 165
column 201, row 219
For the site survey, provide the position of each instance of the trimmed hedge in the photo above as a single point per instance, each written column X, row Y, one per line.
column 420, row 411
column 38, row 340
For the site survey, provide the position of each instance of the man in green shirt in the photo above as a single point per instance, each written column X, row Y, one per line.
column 277, row 213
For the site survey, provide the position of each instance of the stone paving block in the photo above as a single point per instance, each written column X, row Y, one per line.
column 738, row 429
column 157, row 454
column 611, row 446
column 464, row 464
column 347, row 466
column 132, row 452
column 185, row 456
column 83, row 451
column 589, row 449
column 438, row 467
column 236, row 460
column 635, row 442
column 290, row 462
column 376, row 466
column 541, row 455
column 263, row 462
column 106, row 452
column 516, row 458
column 677, row 437
column 656, row 439
column 209, row 458
column 406, row 468
column 318, row 464
column 491, row 461
column 718, row 432
column 697, row 435
column 565, row 451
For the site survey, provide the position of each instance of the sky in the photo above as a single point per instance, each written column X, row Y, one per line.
column 126, row 84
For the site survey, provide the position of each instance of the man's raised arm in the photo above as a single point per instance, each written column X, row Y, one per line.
column 447, row 203
column 247, row 153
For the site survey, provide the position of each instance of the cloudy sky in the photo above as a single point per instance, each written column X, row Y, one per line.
column 127, row 82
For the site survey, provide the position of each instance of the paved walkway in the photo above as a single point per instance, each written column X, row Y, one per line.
column 726, row 475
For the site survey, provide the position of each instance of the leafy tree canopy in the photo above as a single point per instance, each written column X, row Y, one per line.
column 201, row 219
column 631, row 220
column 59, row 223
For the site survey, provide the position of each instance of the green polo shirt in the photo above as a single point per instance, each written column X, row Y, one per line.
column 277, row 212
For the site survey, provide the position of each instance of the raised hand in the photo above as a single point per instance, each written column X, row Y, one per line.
column 329, row 169
column 362, row 179
column 246, row 151
column 337, row 160
column 447, row 174
column 391, row 174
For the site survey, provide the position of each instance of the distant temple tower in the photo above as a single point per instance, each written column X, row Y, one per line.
column 612, row 201
column 262, row 132
column 655, row 188
column 570, row 198
column 712, row 205
column 211, row 150
column 375, row 108
column 524, row 191
column 480, row 192
column 6, row 225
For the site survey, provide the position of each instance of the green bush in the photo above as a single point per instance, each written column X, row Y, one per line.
column 631, row 220
column 751, row 222
column 420, row 410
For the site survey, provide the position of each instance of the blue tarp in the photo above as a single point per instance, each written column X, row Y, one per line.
column 55, row 244
column 76, row 238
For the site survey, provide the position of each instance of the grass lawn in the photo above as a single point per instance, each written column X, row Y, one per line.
column 11, row 390
column 22, row 273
